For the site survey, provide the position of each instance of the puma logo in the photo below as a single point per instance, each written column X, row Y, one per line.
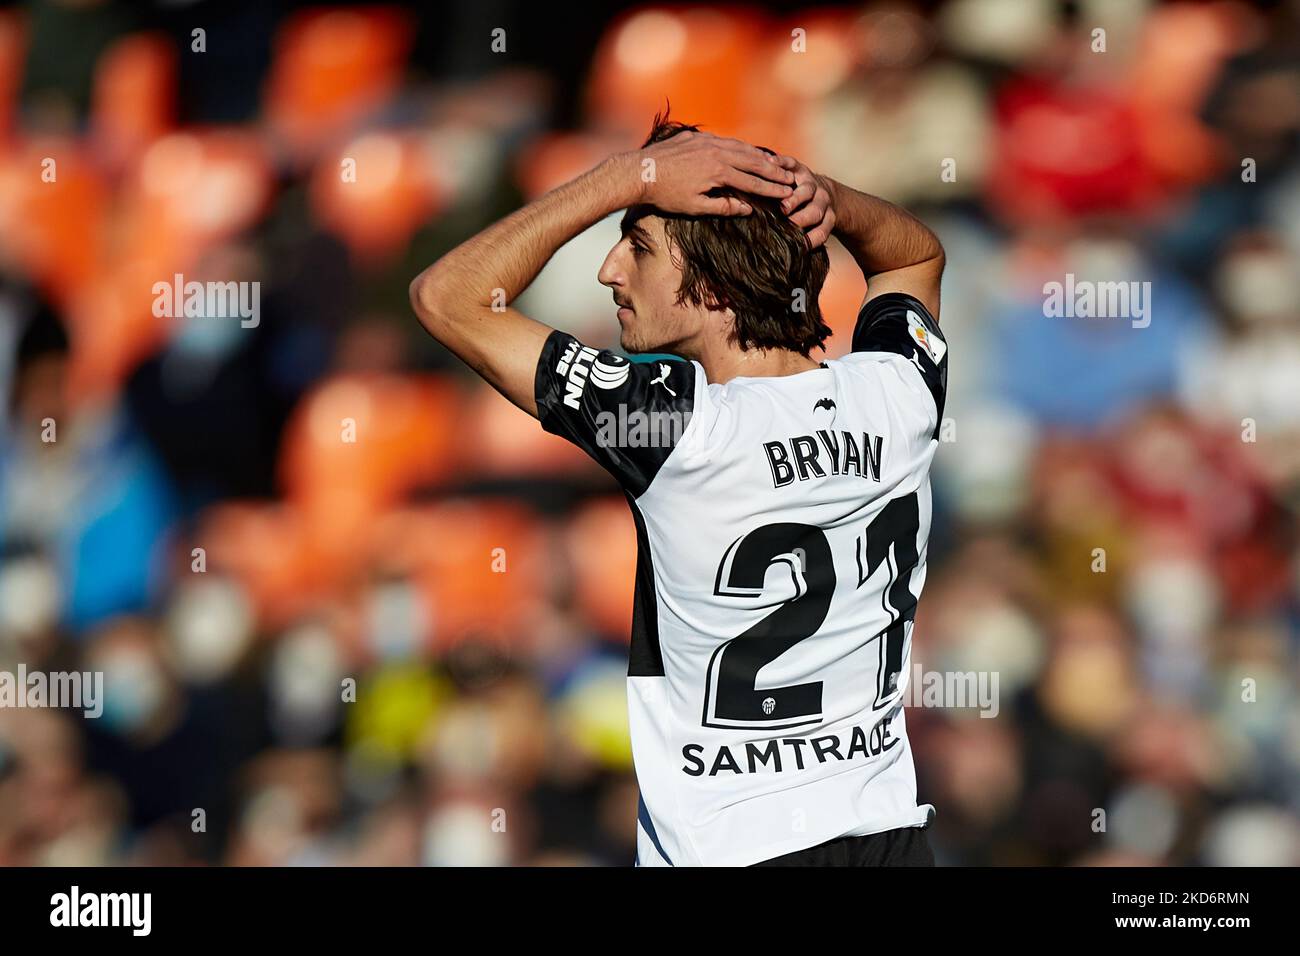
column 664, row 371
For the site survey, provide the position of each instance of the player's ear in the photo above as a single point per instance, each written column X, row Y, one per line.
column 726, row 320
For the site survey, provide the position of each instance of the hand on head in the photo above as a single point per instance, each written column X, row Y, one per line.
column 678, row 174
column 810, row 206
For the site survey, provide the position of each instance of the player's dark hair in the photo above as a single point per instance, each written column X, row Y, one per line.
column 758, row 265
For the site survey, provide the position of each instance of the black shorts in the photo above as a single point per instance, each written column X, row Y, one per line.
column 907, row 846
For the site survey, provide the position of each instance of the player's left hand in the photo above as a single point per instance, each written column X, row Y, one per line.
column 810, row 206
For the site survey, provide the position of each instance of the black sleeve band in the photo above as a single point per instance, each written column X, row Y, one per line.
column 628, row 416
column 896, row 322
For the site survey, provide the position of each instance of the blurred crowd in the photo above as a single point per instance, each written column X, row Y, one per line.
column 351, row 607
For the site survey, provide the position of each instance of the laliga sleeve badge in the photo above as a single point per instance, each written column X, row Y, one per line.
column 933, row 345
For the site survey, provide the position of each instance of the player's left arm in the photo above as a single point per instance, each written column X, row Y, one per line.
column 902, row 260
column 898, row 254
column 463, row 298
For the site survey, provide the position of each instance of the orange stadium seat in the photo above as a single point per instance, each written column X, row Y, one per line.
column 696, row 58
column 554, row 158
column 842, row 294
column 262, row 545
column 332, row 67
column 134, row 100
column 184, row 193
column 112, row 328
column 379, row 189
column 53, row 208
column 370, row 437
column 511, row 442
column 481, row 564
column 803, row 66
column 356, row 445
column 789, row 72
column 1183, row 49
column 601, row 540
column 197, row 187
column 12, row 51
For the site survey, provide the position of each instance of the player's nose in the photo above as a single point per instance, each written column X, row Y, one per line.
column 611, row 271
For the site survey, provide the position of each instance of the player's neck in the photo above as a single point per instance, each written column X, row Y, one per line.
column 723, row 362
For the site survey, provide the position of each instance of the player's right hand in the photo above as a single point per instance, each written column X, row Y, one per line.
column 812, row 206
column 687, row 166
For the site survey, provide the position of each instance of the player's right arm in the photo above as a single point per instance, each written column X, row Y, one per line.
column 895, row 250
column 463, row 299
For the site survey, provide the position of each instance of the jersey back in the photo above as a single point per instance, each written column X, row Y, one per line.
column 782, row 525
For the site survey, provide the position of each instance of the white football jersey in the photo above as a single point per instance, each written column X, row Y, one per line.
column 782, row 524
